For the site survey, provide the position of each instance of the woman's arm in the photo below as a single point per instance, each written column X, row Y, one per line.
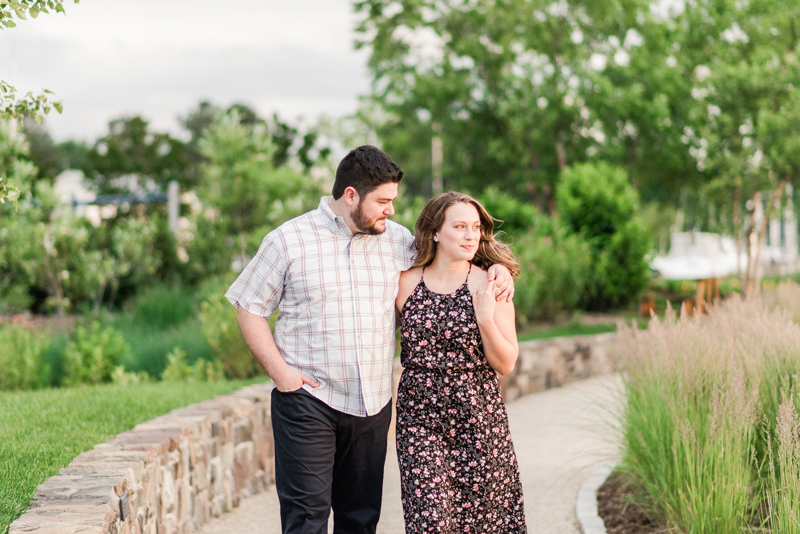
column 408, row 281
column 498, row 330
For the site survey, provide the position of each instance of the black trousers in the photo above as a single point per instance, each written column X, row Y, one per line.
column 327, row 459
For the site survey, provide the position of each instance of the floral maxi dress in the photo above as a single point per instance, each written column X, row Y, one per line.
column 458, row 469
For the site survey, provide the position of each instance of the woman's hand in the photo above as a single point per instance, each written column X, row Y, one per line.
column 483, row 301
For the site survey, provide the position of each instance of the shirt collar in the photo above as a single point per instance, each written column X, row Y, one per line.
column 336, row 223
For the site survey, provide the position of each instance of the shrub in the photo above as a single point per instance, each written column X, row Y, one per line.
column 153, row 342
column 22, row 364
column 554, row 270
column 120, row 377
column 163, row 306
column 93, row 354
column 598, row 202
column 179, row 371
column 221, row 332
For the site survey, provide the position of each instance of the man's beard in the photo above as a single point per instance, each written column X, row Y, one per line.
column 363, row 224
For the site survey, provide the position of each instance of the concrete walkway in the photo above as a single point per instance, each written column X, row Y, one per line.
column 560, row 436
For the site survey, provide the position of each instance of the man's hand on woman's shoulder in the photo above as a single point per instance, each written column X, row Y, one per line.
column 503, row 282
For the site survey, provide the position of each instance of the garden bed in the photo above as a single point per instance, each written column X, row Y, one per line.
column 711, row 427
column 616, row 505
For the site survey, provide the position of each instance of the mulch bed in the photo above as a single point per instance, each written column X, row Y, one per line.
column 615, row 504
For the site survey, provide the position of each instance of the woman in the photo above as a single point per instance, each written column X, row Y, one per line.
column 458, row 469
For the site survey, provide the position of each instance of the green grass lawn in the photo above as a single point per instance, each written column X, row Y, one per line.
column 42, row 431
column 567, row 330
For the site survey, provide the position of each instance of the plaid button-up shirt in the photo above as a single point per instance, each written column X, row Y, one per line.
column 335, row 292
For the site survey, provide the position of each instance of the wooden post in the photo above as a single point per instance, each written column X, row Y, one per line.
column 700, row 296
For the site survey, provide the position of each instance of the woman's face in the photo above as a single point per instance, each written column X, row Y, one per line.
column 460, row 234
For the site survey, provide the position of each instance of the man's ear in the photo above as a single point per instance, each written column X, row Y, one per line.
column 351, row 196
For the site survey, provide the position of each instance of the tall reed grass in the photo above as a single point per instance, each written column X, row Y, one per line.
column 710, row 429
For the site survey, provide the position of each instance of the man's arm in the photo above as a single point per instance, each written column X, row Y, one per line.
column 258, row 336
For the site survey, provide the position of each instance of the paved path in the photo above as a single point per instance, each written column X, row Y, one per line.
column 560, row 436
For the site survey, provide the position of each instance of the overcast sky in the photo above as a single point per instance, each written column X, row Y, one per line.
column 159, row 58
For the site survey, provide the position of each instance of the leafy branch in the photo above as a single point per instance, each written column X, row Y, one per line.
column 24, row 8
column 30, row 105
column 8, row 192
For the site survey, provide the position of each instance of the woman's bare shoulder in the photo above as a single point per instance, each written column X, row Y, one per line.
column 413, row 274
column 408, row 281
column 477, row 278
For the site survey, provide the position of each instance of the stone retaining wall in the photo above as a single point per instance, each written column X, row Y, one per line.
column 171, row 474
column 168, row 475
column 550, row 363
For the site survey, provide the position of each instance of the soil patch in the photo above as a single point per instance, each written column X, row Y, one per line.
column 616, row 506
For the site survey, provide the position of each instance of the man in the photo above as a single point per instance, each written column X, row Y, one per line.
column 333, row 272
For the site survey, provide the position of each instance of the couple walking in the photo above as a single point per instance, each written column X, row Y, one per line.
column 342, row 276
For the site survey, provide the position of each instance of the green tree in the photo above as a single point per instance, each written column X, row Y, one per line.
column 131, row 158
column 243, row 193
column 11, row 106
column 504, row 83
column 20, row 236
column 284, row 135
column 49, row 157
column 740, row 66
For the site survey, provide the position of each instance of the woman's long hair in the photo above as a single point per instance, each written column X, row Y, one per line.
column 490, row 251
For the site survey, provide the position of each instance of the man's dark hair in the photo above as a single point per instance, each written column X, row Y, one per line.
column 364, row 169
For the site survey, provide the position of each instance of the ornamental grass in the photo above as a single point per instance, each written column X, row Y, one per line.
column 711, row 432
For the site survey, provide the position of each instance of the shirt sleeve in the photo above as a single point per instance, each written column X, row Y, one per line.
column 409, row 254
column 259, row 287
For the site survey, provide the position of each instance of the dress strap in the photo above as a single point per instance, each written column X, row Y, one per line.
column 468, row 271
column 422, row 276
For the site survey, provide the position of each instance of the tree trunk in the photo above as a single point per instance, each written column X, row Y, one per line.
column 772, row 205
column 750, row 236
column 561, row 153
column 737, row 215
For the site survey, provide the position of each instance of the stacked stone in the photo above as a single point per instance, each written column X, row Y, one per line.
column 169, row 475
column 549, row 363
